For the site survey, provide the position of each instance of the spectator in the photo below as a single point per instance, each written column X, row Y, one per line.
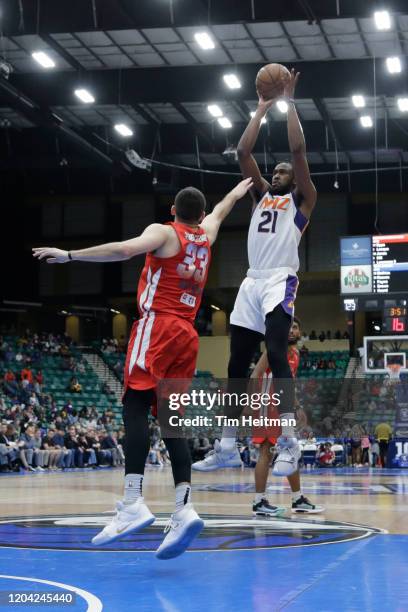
column 27, row 447
column 8, row 451
column 383, row 434
column 54, row 452
column 375, row 452
column 325, row 455
column 365, row 448
column 68, row 455
column 74, row 385
column 72, row 442
column 109, row 448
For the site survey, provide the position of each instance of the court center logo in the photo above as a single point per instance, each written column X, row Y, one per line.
column 221, row 533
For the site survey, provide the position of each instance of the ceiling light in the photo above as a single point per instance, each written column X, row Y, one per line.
column 358, row 101
column 263, row 120
column 366, row 121
column 225, row 123
column 232, row 81
column 403, row 104
column 43, row 59
column 393, row 64
column 215, row 307
column 214, row 110
column 382, row 20
column 204, row 40
column 85, row 96
column 282, row 106
column 123, row 129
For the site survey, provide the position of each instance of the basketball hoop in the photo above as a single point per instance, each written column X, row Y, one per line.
column 394, row 370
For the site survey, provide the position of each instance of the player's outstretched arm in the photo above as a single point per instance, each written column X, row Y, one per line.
column 212, row 222
column 247, row 162
column 153, row 237
column 305, row 189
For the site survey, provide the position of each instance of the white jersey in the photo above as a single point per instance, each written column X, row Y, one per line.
column 274, row 233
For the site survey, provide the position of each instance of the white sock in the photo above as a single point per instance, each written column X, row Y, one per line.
column 133, row 488
column 288, row 430
column 183, row 495
column 296, row 495
column 229, row 435
column 259, row 497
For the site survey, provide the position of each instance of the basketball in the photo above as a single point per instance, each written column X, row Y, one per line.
column 270, row 81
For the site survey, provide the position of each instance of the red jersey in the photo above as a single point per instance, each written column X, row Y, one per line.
column 174, row 285
column 293, row 360
column 273, row 432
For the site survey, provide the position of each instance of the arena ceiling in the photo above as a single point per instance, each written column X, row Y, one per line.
column 140, row 60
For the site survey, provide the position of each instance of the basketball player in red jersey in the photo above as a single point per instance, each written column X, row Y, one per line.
column 268, row 438
column 163, row 344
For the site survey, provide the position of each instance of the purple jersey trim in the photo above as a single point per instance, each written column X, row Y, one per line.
column 300, row 220
column 288, row 303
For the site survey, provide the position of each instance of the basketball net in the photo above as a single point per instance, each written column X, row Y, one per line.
column 394, row 370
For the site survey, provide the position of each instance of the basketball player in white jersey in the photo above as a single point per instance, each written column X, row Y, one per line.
column 264, row 306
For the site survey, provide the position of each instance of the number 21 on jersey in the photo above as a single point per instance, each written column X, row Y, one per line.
column 268, row 225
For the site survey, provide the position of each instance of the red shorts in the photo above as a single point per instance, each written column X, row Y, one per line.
column 160, row 347
column 270, row 433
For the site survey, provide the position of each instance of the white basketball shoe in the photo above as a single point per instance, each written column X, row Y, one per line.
column 289, row 453
column 181, row 530
column 217, row 459
column 129, row 518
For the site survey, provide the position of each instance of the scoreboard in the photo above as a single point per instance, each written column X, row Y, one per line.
column 390, row 263
column 374, row 265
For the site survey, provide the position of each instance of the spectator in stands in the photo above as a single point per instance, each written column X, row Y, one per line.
column 375, row 452
column 68, row 455
column 383, row 435
column 19, row 357
column 346, row 336
column 89, row 451
column 322, row 336
column 55, row 453
column 74, row 385
column 71, row 442
column 26, row 374
column 355, row 441
column 313, row 335
column 325, row 455
column 328, row 335
column 365, row 448
column 8, row 451
column 27, row 448
column 337, row 335
column 109, row 448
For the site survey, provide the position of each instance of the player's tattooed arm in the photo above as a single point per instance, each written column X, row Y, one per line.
column 247, row 162
column 305, row 189
column 212, row 222
column 153, row 237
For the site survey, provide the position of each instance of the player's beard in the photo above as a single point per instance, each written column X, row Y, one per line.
column 280, row 190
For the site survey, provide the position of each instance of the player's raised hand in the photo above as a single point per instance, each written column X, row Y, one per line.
column 263, row 104
column 242, row 188
column 290, row 86
column 51, row 255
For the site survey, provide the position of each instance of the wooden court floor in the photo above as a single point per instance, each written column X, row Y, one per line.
column 353, row 557
column 375, row 497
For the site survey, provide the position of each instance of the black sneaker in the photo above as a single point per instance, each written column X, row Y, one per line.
column 304, row 506
column 264, row 508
